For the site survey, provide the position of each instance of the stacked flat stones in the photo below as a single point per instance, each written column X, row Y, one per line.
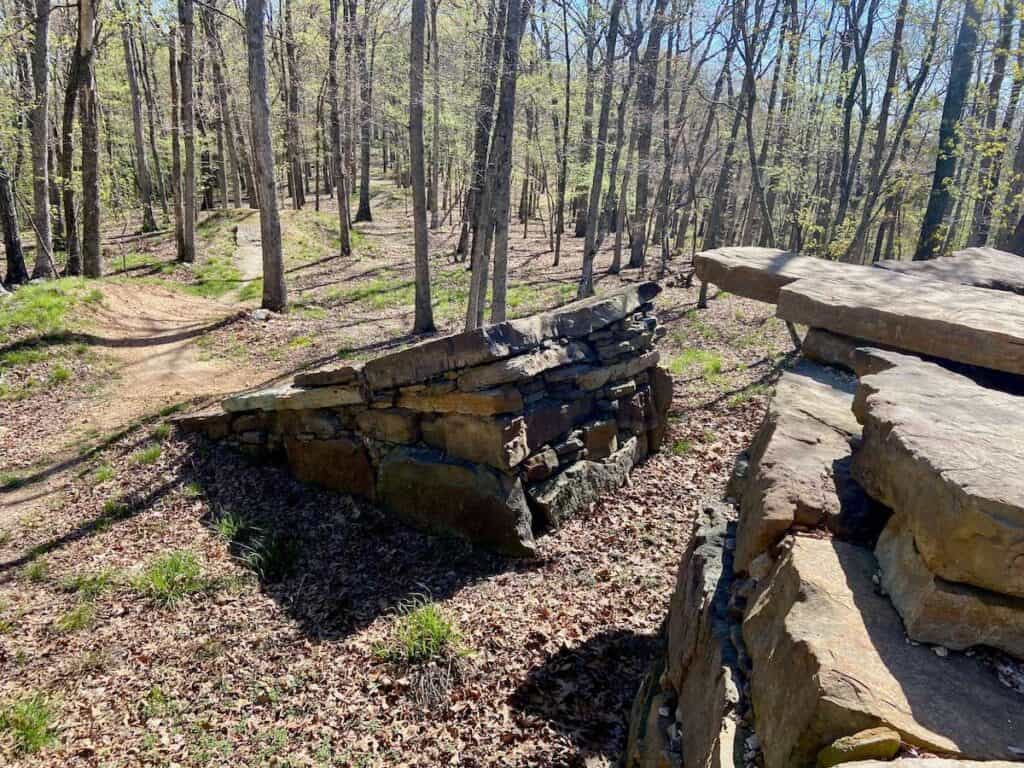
column 490, row 434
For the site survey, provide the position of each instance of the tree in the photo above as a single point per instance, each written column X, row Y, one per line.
column 932, row 234
column 337, row 148
column 16, row 271
column 435, row 154
column 142, row 178
column 358, row 34
column 179, row 214
column 39, row 128
column 424, row 322
column 92, row 257
column 275, row 296
column 294, row 145
column 187, row 253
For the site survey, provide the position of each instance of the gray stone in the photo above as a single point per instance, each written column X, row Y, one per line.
column 340, row 373
column 950, row 455
column 540, row 465
column 522, row 367
column 944, row 320
column 549, row 420
column 942, row 612
column 601, row 439
column 980, row 267
column 932, row 763
column 798, row 470
column 598, row 377
column 391, row 425
column 578, row 485
column 484, row 403
column 830, row 659
column 289, row 397
column 443, row 494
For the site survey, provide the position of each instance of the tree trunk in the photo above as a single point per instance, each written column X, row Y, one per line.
column 179, row 216
column 142, row 178
column 220, row 88
column 435, row 154
column 39, row 128
column 294, row 148
column 337, row 149
column 424, row 322
column 72, row 247
column 152, row 120
column 563, row 145
column 363, row 212
column 92, row 258
column 932, row 236
column 586, row 286
column 645, row 92
column 188, row 130
column 17, row 274
column 274, row 293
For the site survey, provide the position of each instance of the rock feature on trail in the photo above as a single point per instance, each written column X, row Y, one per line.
column 830, row 659
column 689, row 717
column 969, row 325
column 798, row 472
column 980, row 267
column 760, row 273
column 491, row 434
column 949, row 455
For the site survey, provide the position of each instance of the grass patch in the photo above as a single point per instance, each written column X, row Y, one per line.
column 231, row 526
column 147, row 455
column 386, row 291
column 88, row 586
column 681, row 447
column 746, row 395
column 20, row 357
column 103, row 473
column 170, row 578
column 9, row 481
column 709, row 364
column 37, row 570
column 82, row 616
column 44, row 307
column 58, row 375
column 422, row 633
column 272, row 556
column 161, row 432
column 252, row 290
column 301, row 341
column 29, row 722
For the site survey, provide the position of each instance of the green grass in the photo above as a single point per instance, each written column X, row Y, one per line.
column 103, row 473
column 88, row 586
column 170, row 578
column 114, row 509
column 271, row 555
column 25, row 356
column 231, row 525
column 9, row 481
column 251, row 290
column 37, row 570
column 82, row 616
column 161, row 432
column 214, row 278
column 386, row 291
column 746, row 395
column 422, row 633
column 681, row 447
column 707, row 363
column 147, row 455
column 192, row 490
column 58, row 375
column 300, row 341
column 44, row 307
column 29, row 722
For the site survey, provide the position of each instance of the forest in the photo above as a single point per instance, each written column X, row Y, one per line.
column 259, row 253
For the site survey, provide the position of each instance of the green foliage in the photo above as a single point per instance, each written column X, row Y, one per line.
column 147, row 455
column 88, row 586
column 58, row 375
column 170, row 578
column 9, row 481
column 231, row 525
column 161, row 432
column 80, row 617
column 214, row 278
column 271, row 555
column 709, row 364
column 37, row 570
column 29, row 722
column 251, row 290
column 421, row 633
column 44, row 307
column 103, row 473
column 681, row 447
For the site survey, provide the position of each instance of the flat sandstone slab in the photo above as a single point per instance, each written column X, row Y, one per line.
column 830, row 659
column 981, row 267
column 953, row 322
column 760, row 273
column 949, row 454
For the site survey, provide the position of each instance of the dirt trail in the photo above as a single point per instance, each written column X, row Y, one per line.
column 249, row 251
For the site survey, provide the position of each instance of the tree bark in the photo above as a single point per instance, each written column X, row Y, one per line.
column 337, row 148
column 39, row 129
column 17, row 274
column 221, row 91
column 424, row 322
column 72, row 247
column 435, row 154
column 92, row 257
column 363, row 212
column 932, row 236
column 294, row 148
column 188, row 129
column 179, row 216
column 275, row 296
column 142, row 178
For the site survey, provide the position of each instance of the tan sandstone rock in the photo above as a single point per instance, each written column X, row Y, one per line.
column 942, row 612
column 798, row 471
column 499, row 441
column 328, row 375
column 982, row 267
column 950, row 455
column 488, row 402
column 872, row 744
column 929, row 317
column 341, row 464
column 393, row 425
column 830, row 658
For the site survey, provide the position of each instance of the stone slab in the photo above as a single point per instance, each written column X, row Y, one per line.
column 522, row 367
column 488, row 402
column 328, row 375
column 289, row 397
column 942, row 612
column 760, row 273
column 928, row 317
column 442, row 494
column 981, row 267
column 798, row 473
column 830, row 658
column 495, row 342
column 499, row 442
column 950, row 455
column 341, row 464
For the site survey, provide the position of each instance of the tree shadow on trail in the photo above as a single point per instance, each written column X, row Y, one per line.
column 586, row 692
column 336, row 563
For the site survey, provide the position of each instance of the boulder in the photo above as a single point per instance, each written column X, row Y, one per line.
column 489, row 402
column 558, row 498
column 830, row 658
column 942, row 612
column 498, row 441
column 929, row 317
column 496, row 342
column 443, row 494
column 854, row 355
column 981, row 267
column 702, row 663
column 872, row 744
column 393, row 425
column 522, row 367
column 949, row 454
column 798, row 467
column 760, row 273
column 341, row 464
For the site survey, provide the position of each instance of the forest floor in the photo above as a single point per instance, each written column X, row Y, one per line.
column 272, row 654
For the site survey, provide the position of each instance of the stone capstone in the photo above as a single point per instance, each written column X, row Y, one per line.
column 342, row 373
column 830, row 658
column 289, row 397
column 981, row 267
column 522, row 367
column 962, row 323
column 942, row 612
column 443, row 494
column 798, row 467
column 948, row 454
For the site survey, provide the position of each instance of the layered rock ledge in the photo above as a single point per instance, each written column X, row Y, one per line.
column 493, row 434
